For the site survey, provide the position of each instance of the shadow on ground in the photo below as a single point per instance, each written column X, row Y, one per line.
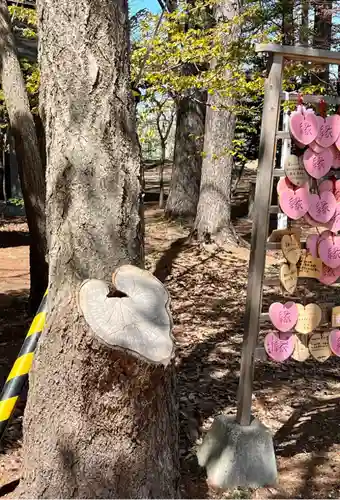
column 208, row 298
column 14, row 323
column 9, row 239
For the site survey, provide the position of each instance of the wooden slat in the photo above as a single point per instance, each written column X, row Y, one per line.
column 301, row 281
column 264, row 184
column 295, row 53
column 309, row 99
column 282, row 134
column 276, row 245
column 278, row 172
column 260, row 354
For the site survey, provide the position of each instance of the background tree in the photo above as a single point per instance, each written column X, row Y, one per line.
column 213, row 219
column 190, row 124
column 113, row 417
column 27, row 153
column 164, row 120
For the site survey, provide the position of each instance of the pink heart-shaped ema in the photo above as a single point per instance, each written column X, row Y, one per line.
column 336, row 156
column 279, row 346
column 295, row 204
column 284, row 184
column 329, row 130
column 325, row 234
column 317, row 164
column 283, row 316
column 312, row 244
column 329, row 275
column 329, row 251
column 334, row 342
column 322, row 207
column 331, row 185
column 309, row 220
column 316, row 147
column 334, row 224
column 303, row 127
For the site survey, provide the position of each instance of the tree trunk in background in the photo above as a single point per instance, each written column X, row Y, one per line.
column 322, row 38
column 161, row 175
column 28, row 157
column 99, row 423
column 186, row 171
column 213, row 219
column 288, row 22
column 304, row 26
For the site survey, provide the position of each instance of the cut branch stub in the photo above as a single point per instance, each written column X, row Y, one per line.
column 140, row 322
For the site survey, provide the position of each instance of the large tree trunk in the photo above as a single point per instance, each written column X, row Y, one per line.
column 28, row 157
column 99, row 423
column 186, row 171
column 213, row 219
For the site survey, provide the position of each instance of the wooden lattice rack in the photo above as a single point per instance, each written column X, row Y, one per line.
column 264, row 185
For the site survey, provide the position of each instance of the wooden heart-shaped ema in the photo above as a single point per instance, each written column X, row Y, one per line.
column 139, row 322
column 291, row 248
column 309, row 318
column 289, row 277
column 295, row 170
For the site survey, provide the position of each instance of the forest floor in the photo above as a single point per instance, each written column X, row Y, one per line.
column 299, row 402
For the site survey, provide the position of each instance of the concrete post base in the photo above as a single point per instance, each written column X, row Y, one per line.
column 236, row 455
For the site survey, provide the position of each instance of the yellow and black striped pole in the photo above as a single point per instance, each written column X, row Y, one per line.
column 22, row 365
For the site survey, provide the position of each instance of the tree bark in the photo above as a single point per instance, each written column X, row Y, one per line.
column 99, row 423
column 288, row 22
column 27, row 151
column 304, row 29
column 322, row 38
column 161, row 175
column 213, row 219
column 186, row 171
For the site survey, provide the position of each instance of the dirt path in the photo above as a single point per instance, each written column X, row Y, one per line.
column 299, row 402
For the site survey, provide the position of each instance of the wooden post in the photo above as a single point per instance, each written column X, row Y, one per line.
column 263, row 193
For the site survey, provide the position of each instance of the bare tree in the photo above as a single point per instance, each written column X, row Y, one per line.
column 164, row 121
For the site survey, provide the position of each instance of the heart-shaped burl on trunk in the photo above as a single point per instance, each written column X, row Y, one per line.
column 138, row 320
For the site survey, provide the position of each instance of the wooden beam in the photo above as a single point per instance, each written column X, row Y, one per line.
column 309, row 98
column 278, row 172
column 271, row 281
column 264, row 183
column 276, row 245
column 317, row 56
